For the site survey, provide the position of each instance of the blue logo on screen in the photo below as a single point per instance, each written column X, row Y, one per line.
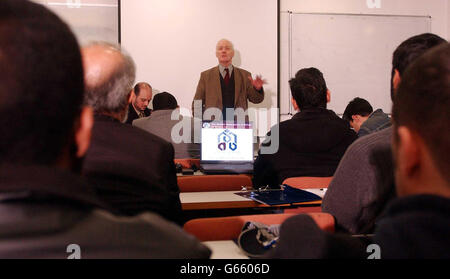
column 227, row 139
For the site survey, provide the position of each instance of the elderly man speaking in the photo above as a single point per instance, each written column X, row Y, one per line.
column 226, row 86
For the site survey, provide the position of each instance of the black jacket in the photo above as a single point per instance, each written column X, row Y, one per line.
column 414, row 227
column 132, row 170
column 46, row 212
column 310, row 144
column 132, row 115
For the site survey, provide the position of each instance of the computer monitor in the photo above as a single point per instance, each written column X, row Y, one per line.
column 226, row 142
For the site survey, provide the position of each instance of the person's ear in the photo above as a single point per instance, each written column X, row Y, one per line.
column 355, row 117
column 294, row 104
column 130, row 96
column 328, row 96
column 84, row 131
column 396, row 80
column 408, row 155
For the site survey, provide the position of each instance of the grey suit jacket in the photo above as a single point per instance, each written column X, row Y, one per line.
column 210, row 93
column 160, row 124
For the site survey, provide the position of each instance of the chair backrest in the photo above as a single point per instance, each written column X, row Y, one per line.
column 308, row 182
column 206, row 183
column 229, row 228
column 188, row 163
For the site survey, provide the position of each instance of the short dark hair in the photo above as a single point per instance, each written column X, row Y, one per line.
column 41, row 84
column 309, row 89
column 137, row 88
column 410, row 50
column 357, row 106
column 422, row 103
column 164, row 100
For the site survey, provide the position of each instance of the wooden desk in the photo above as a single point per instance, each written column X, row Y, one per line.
column 228, row 199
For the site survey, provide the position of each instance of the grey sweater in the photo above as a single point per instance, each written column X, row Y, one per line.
column 363, row 183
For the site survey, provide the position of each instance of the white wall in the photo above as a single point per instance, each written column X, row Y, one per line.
column 173, row 41
column 448, row 20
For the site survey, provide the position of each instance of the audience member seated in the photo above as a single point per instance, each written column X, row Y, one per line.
column 48, row 210
column 140, row 98
column 312, row 142
column 364, row 181
column 164, row 122
column 132, row 170
column 416, row 224
column 359, row 113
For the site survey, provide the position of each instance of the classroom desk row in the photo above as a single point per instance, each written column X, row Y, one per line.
column 228, row 200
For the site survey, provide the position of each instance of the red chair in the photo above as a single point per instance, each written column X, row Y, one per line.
column 188, row 163
column 206, row 183
column 307, row 183
column 229, row 228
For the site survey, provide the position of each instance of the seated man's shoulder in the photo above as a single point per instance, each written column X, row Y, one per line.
column 130, row 139
column 146, row 235
column 145, row 136
column 140, row 121
column 377, row 121
column 372, row 141
column 422, row 219
column 298, row 232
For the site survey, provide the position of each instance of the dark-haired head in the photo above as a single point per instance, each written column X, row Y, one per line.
column 41, row 84
column 408, row 51
column 309, row 89
column 164, row 101
column 422, row 109
column 357, row 106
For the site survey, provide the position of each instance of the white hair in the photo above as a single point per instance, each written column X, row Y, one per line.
column 226, row 40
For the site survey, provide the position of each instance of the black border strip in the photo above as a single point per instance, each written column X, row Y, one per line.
column 278, row 56
column 119, row 35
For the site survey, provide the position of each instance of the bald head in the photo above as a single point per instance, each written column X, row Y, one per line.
column 109, row 75
column 100, row 63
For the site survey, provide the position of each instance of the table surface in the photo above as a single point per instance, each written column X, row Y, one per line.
column 225, row 249
column 228, row 199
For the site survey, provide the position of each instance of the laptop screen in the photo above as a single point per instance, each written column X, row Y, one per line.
column 227, row 142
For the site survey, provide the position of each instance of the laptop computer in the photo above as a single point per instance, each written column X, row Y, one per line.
column 226, row 147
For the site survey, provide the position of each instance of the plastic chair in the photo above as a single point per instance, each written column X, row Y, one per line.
column 308, row 182
column 229, row 228
column 206, row 183
column 188, row 163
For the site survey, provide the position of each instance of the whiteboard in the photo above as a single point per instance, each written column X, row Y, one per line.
column 353, row 51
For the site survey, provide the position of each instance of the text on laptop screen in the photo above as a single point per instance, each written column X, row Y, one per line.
column 226, row 142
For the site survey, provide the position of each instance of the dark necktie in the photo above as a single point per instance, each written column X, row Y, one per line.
column 227, row 76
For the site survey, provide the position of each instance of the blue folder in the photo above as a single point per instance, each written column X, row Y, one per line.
column 285, row 195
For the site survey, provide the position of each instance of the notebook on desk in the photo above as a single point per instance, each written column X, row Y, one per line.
column 226, row 148
column 285, row 195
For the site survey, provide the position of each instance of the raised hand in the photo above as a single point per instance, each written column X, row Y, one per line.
column 258, row 82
